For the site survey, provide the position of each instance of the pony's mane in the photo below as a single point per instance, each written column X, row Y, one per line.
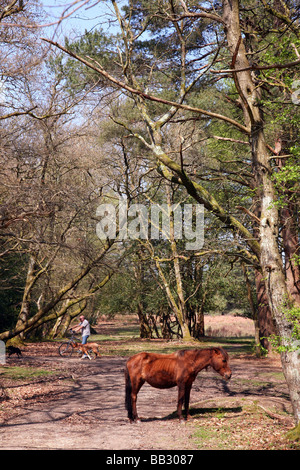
column 202, row 350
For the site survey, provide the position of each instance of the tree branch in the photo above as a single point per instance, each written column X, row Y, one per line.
column 140, row 93
column 260, row 67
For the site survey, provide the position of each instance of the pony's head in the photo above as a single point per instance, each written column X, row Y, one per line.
column 219, row 362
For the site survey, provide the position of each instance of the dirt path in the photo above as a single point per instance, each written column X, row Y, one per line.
column 92, row 415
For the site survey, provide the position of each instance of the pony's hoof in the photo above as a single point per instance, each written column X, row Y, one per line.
column 182, row 421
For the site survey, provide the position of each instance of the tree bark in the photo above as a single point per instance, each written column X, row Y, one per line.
column 265, row 321
column 145, row 330
column 26, row 300
column 291, row 248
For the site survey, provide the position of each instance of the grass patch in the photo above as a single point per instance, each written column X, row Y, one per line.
column 127, row 345
column 244, row 427
column 202, row 436
column 273, row 375
column 133, row 346
column 22, row 373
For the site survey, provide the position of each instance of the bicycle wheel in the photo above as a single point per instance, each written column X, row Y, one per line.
column 65, row 350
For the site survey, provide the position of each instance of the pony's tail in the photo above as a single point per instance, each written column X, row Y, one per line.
column 128, row 388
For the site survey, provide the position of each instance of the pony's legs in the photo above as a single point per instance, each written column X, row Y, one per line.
column 132, row 387
column 181, row 396
column 184, row 391
column 128, row 389
column 136, row 386
column 187, row 400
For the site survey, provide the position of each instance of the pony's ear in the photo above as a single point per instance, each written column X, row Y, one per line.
column 221, row 352
column 217, row 350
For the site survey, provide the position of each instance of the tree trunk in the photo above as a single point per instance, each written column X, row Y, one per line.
column 265, row 323
column 55, row 328
column 291, row 248
column 64, row 325
column 199, row 323
column 145, row 330
column 26, row 300
column 270, row 258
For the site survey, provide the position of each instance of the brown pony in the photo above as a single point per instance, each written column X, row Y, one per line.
column 168, row 370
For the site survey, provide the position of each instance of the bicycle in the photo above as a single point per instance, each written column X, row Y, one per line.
column 66, row 349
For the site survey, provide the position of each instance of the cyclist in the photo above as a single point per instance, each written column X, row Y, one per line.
column 84, row 327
